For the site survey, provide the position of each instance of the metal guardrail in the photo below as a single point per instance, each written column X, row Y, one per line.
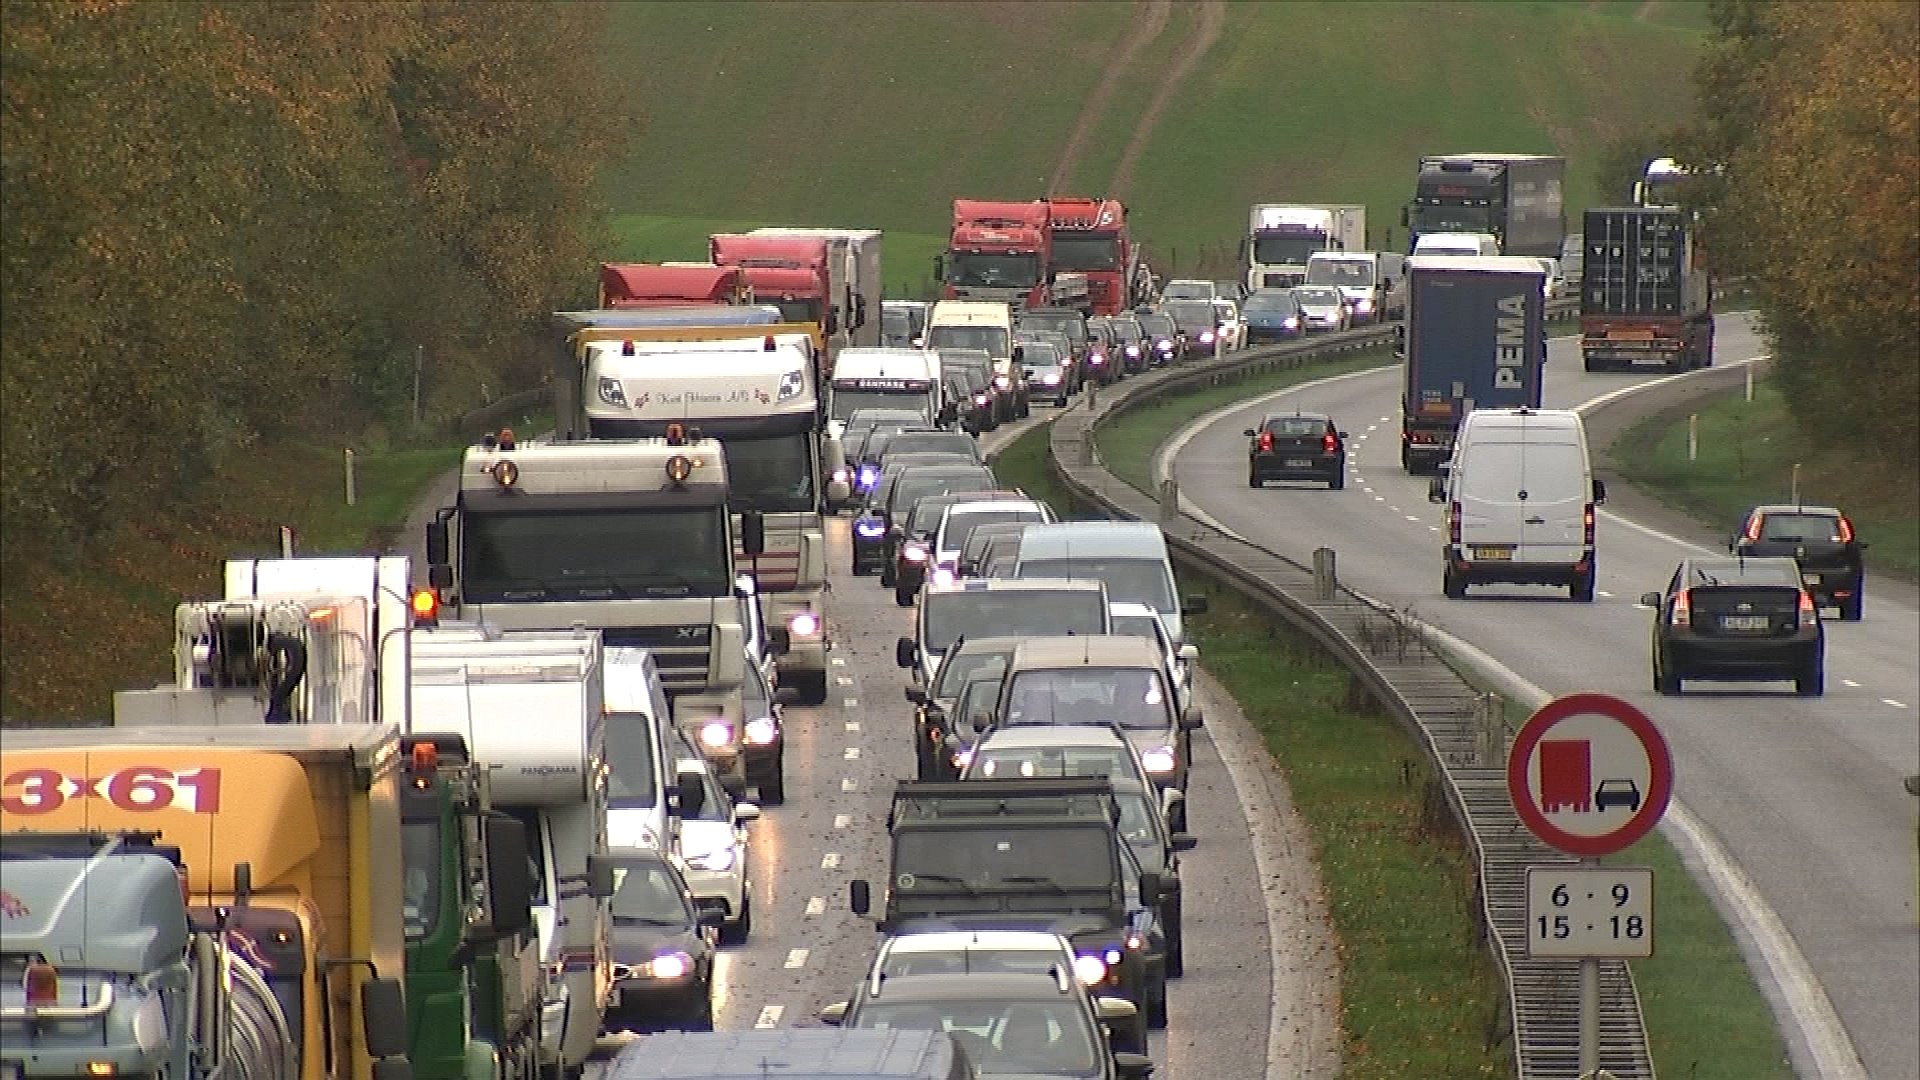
column 1464, row 732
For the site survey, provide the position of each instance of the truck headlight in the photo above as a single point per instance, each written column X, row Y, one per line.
column 914, row 553
column 761, row 730
column 1089, row 969
column 1133, row 350
column 668, row 965
column 611, row 392
column 1158, row 760
column 943, row 575
column 804, row 624
column 1206, row 337
column 716, row 734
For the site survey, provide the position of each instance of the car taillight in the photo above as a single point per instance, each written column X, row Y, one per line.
column 1682, row 608
column 1844, row 533
column 1586, row 520
column 1808, row 613
column 1330, row 442
column 1753, row 529
column 1266, row 442
column 1453, row 522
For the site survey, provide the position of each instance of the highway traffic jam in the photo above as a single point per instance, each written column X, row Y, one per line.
column 627, row 771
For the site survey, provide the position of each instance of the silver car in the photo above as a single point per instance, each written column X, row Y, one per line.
column 1322, row 307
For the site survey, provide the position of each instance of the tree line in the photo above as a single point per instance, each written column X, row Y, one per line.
column 1806, row 146
column 228, row 222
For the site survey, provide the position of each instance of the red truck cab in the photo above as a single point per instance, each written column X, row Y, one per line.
column 789, row 273
column 997, row 252
column 1089, row 236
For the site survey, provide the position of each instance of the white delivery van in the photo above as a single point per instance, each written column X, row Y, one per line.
column 1373, row 282
column 884, row 378
column 1520, row 497
column 639, row 765
column 1457, row 243
column 1129, row 557
column 975, row 324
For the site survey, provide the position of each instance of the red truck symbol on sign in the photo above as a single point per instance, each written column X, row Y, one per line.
column 1566, row 775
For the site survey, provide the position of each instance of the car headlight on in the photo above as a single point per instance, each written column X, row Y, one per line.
column 869, row 528
column 1089, row 969
column 840, row 475
column 1158, row 760
column 1291, row 322
column 716, row 734
column 611, row 392
column 1002, row 382
column 868, row 477
column 914, row 553
column 981, row 399
column 1097, row 359
column 761, row 731
column 943, row 575
column 1206, row 337
column 669, row 965
column 804, row 624
column 963, row 757
column 1134, row 942
column 1112, row 956
column 1164, row 345
column 1133, row 350
column 1050, row 379
column 1363, row 305
column 716, row 861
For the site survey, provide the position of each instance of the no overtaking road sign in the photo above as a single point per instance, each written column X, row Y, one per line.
column 1589, row 774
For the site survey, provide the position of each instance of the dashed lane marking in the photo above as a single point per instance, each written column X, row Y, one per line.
column 851, row 703
column 848, row 784
column 836, row 661
column 843, row 680
column 1851, row 683
column 1895, row 704
column 769, row 1016
column 1596, row 592
column 852, row 753
column 795, row 958
column 841, row 821
column 853, row 726
column 1413, row 519
column 816, row 905
column 830, row 861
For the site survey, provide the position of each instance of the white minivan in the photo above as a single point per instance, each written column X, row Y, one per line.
column 1129, row 557
column 1457, row 243
column 1520, row 496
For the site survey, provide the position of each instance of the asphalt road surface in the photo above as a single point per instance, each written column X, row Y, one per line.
column 1804, row 795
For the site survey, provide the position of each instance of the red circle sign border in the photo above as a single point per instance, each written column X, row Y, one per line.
column 1659, row 768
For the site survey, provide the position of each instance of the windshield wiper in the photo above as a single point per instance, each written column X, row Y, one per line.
column 1046, row 883
column 646, row 920
column 948, row 879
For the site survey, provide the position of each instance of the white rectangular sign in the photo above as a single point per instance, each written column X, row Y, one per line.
column 1589, row 911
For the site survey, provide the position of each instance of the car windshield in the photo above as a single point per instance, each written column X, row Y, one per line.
column 1317, row 296
column 1127, row 330
column 1073, row 326
column 1268, row 301
column 939, row 442
column 1128, row 581
column 1137, row 826
column 630, row 761
column 1157, row 325
column 1192, row 313
column 991, row 340
column 1348, row 272
column 773, row 474
column 1050, row 761
column 645, row 894
column 965, row 665
column 1296, row 425
column 910, row 488
column 968, row 959
column 1182, row 290
column 1800, row 528
column 847, row 401
column 1130, row 697
column 1077, row 856
column 1040, row 354
column 926, row 514
column 1002, row 1038
column 967, row 268
column 1009, row 613
column 959, row 527
column 594, row 554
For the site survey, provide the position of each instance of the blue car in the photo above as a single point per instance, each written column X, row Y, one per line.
column 1273, row 315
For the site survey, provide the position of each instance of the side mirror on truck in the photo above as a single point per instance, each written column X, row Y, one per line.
column 599, row 876
column 383, row 1012
column 753, row 533
column 439, row 552
column 509, row 874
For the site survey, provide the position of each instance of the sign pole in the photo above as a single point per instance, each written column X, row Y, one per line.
column 1589, row 1006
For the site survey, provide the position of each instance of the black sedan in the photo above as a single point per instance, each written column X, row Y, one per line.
column 1727, row 617
column 1169, row 346
column 1820, row 539
column 662, row 948
column 1297, row 446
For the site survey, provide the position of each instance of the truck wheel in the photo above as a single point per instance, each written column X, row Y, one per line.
column 812, row 688
column 1453, row 584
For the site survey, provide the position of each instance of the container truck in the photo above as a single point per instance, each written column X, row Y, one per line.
column 1089, row 237
column 1646, row 300
column 1002, row 252
column 631, row 537
column 1281, row 237
column 645, row 285
column 485, row 688
column 758, row 393
column 792, row 273
column 1475, row 336
column 1516, row 198
column 853, row 275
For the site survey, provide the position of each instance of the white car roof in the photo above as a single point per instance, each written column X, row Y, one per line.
column 1022, row 736
column 930, row 941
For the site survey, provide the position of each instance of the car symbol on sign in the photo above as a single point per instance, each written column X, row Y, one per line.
column 1616, row 792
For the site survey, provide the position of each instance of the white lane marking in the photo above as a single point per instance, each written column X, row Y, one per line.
column 841, row 821
column 1163, row 457
column 1433, row 528
column 1805, row 1001
column 795, row 958
column 769, row 1017
column 848, row 784
column 830, row 861
column 1413, row 519
column 1386, row 420
column 851, row 703
column 843, row 680
column 1596, row 592
column 816, row 905
column 1895, row 704
column 1362, row 437
column 836, row 661
column 853, row 726
column 1379, row 498
column 852, row 753
column 1851, row 683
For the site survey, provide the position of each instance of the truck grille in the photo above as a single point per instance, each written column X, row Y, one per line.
column 680, row 652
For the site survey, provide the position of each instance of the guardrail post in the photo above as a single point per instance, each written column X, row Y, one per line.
column 352, row 496
column 1489, row 730
column 1169, row 501
column 1325, row 582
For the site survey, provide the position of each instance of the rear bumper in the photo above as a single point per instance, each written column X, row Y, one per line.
column 1506, row 572
column 1694, row 656
column 1275, row 467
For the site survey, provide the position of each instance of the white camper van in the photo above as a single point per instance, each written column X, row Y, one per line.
column 551, row 774
column 1520, row 497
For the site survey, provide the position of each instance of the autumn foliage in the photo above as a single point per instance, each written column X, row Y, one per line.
column 1812, row 113
column 234, row 222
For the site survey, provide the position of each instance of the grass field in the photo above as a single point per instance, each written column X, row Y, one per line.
column 1419, row 995
column 1747, row 454
column 878, row 115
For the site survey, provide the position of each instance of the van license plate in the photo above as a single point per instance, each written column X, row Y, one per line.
column 1744, row 622
column 1299, row 463
column 1496, row 554
column 1810, row 579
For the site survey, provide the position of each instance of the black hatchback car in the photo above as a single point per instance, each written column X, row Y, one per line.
column 1297, row 446
column 661, row 945
column 1820, row 539
column 1737, row 618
